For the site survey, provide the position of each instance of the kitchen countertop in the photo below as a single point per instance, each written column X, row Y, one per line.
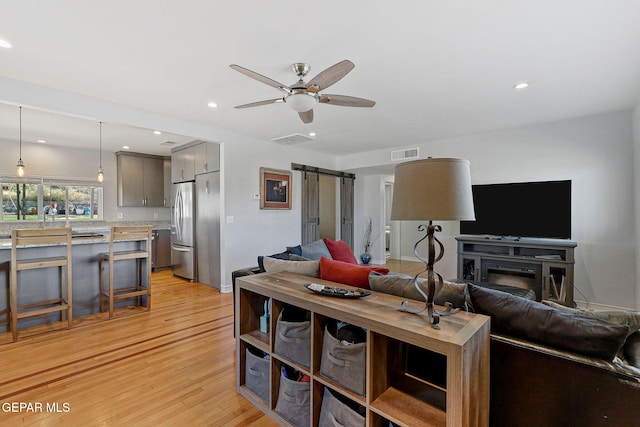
column 97, row 233
column 79, row 239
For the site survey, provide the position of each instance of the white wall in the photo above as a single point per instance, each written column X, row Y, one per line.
column 596, row 153
column 48, row 161
column 254, row 231
column 636, row 193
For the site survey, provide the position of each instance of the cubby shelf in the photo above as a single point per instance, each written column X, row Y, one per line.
column 393, row 391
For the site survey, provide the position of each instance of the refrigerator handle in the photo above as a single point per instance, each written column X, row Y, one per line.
column 173, row 220
column 178, row 214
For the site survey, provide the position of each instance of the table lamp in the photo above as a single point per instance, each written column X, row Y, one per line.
column 432, row 190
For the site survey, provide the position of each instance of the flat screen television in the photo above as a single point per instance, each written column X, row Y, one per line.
column 522, row 209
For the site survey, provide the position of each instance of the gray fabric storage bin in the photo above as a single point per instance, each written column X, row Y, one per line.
column 294, row 402
column 293, row 341
column 344, row 363
column 257, row 375
column 334, row 413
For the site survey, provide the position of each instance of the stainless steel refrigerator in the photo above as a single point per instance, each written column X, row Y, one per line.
column 208, row 228
column 183, row 251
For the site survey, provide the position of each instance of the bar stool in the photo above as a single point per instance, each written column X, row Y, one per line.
column 52, row 237
column 142, row 285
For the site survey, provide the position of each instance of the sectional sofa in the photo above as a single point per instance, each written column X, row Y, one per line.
column 550, row 366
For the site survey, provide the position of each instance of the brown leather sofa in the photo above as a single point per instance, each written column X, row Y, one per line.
column 537, row 385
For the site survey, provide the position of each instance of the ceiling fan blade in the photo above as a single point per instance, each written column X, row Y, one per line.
column 329, row 76
column 259, row 77
column 346, row 101
column 307, row 116
column 259, row 103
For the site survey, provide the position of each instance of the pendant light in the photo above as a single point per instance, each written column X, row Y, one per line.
column 100, row 172
column 20, row 167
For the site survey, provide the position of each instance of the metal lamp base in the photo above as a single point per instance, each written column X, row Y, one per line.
column 433, row 314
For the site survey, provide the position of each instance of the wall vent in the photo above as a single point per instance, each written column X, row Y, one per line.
column 168, row 143
column 409, row 153
column 295, row 138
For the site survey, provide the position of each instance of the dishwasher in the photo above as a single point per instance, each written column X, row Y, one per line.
column 161, row 249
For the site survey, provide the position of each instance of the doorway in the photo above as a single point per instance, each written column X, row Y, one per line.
column 327, row 204
column 388, row 200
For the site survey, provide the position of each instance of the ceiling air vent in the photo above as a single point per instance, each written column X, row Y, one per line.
column 168, row 143
column 409, row 153
column 295, row 138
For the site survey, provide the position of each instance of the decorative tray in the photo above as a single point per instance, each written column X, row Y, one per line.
column 336, row 292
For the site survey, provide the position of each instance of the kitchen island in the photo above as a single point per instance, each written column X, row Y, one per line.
column 44, row 283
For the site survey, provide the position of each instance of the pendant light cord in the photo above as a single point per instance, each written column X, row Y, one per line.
column 100, row 145
column 20, row 133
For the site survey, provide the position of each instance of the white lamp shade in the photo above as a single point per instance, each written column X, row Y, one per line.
column 434, row 190
column 301, row 102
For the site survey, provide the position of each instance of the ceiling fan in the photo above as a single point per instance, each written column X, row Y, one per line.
column 301, row 96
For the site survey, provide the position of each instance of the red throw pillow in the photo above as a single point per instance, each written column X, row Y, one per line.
column 346, row 273
column 340, row 251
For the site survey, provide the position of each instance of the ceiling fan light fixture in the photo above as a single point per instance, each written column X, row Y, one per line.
column 303, row 96
column 301, row 102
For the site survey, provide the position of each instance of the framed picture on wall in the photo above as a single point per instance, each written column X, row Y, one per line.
column 275, row 189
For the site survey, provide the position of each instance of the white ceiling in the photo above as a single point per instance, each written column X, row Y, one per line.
column 436, row 69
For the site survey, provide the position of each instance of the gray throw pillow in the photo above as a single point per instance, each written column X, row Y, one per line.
column 294, row 257
column 306, row 268
column 316, row 250
column 402, row 285
column 531, row 320
column 619, row 317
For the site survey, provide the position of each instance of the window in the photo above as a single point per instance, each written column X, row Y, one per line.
column 48, row 199
column 19, row 201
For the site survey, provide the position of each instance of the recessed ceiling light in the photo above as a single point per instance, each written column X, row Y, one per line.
column 42, row 141
column 157, row 132
column 521, row 85
column 125, row 147
column 312, row 134
column 5, row 44
column 212, row 105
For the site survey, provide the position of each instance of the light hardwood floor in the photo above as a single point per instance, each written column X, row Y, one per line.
column 173, row 366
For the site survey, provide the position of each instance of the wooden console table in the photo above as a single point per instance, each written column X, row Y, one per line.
column 393, row 392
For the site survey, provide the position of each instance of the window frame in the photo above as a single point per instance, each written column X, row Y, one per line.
column 66, row 183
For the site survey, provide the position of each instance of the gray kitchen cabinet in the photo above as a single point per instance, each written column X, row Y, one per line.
column 207, row 157
column 208, row 227
column 140, row 180
column 194, row 158
column 161, row 249
column 183, row 164
column 167, row 181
